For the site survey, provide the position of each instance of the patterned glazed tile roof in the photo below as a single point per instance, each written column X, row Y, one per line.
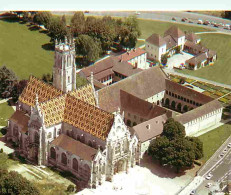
column 87, row 117
column 85, row 94
column 36, row 86
column 53, row 110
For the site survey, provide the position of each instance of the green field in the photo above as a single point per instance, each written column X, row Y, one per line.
column 21, row 50
column 5, row 112
column 214, row 139
column 221, row 70
column 149, row 27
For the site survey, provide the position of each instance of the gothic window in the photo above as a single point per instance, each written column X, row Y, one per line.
column 64, row 159
column 68, row 79
column 89, row 143
column 82, row 138
column 75, row 164
column 36, row 137
column 49, row 135
column 15, row 130
column 53, row 153
column 117, row 149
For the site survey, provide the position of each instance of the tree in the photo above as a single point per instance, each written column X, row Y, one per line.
column 164, row 59
column 70, row 188
column 198, row 146
column 13, row 183
column 80, row 81
column 63, row 20
column 7, row 81
column 88, row 47
column 173, row 129
column 77, row 24
column 42, row 18
column 47, row 78
column 227, row 14
column 17, row 89
column 57, row 29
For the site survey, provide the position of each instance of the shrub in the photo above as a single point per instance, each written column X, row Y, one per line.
column 1, row 151
column 70, row 188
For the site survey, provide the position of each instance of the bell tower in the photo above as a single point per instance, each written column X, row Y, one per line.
column 64, row 70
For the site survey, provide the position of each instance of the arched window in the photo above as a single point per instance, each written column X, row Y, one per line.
column 167, row 102
column 173, row 104
column 82, row 138
column 179, row 106
column 15, row 131
column 185, row 108
column 64, row 159
column 90, row 143
column 53, row 153
column 49, row 135
column 75, row 164
column 78, row 137
column 128, row 123
column 36, row 137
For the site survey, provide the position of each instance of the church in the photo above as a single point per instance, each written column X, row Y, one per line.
column 64, row 127
column 96, row 134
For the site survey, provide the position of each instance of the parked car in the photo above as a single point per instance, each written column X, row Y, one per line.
column 183, row 20
column 221, row 155
column 229, row 145
column 193, row 192
column 137, row 13
column 206, row 22
column 216, row 25
column 209, row 176
column 190, row 21
column 208, row 185
column 225, row 150
column 86, row 12
column 199, row 22
column 173, row 18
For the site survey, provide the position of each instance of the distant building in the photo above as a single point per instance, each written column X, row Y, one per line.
column 115, row 68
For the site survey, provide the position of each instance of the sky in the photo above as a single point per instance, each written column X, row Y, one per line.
column 110, row 5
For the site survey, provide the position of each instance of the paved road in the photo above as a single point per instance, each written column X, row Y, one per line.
column 162, row 16
column 167, row 16
column 219, row 167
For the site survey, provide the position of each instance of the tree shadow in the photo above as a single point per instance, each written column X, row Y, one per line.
column 10, row 20
column 33, row 28
column 44, row 32
column 159, row 170
column 22, row 22
column 48, row 46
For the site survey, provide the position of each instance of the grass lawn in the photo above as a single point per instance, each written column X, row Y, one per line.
column 214, row 139
column 149, row 27
column 21, row 50
column 221, row 70
column 5, row 112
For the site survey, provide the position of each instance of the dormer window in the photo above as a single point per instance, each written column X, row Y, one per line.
column 148, row 126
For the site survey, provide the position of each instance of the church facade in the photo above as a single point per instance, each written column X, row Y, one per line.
column 64, row 127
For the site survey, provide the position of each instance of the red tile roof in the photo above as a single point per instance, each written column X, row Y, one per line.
column 174, row 31
column 21, row 119
column 131, row 54
column 156, row 39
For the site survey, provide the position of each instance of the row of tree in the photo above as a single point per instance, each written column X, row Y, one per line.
column 94, row 36
column 10, row 86
column 175, row 149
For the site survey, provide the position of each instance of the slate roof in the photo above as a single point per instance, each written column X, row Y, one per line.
column 125, row 69
column 156, row 128
column 73, row 146
column 199, row 111
column 139, row 107
column 174, row 31
column 191, row 37
column 197, row 59
column 187, row 92
column 170, row 42
column 156, row 39
column 21, row 119
column 142, row 85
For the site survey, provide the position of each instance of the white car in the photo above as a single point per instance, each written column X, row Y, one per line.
column 229, row 145
column 208, row 185
column 209, row 176
column 199, row 22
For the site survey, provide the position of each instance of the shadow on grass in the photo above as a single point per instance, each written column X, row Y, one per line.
column 33, row 28
column 44, row 32
column 48, row 46
column 22, row 22
column 10, row 20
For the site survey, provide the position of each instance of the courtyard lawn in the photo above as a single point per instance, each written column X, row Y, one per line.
column 221, row 70
column 21, row 50
column 5, row 112
column 214, row 139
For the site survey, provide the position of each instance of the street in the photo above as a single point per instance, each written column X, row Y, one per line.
column 219, row 167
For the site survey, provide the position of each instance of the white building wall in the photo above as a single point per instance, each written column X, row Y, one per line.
column 203, row 122
column 156, row 97
column 140, row 60
column 154, row 51
column 181, row 42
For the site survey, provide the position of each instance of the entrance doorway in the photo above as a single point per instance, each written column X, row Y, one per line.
column 119, row 166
